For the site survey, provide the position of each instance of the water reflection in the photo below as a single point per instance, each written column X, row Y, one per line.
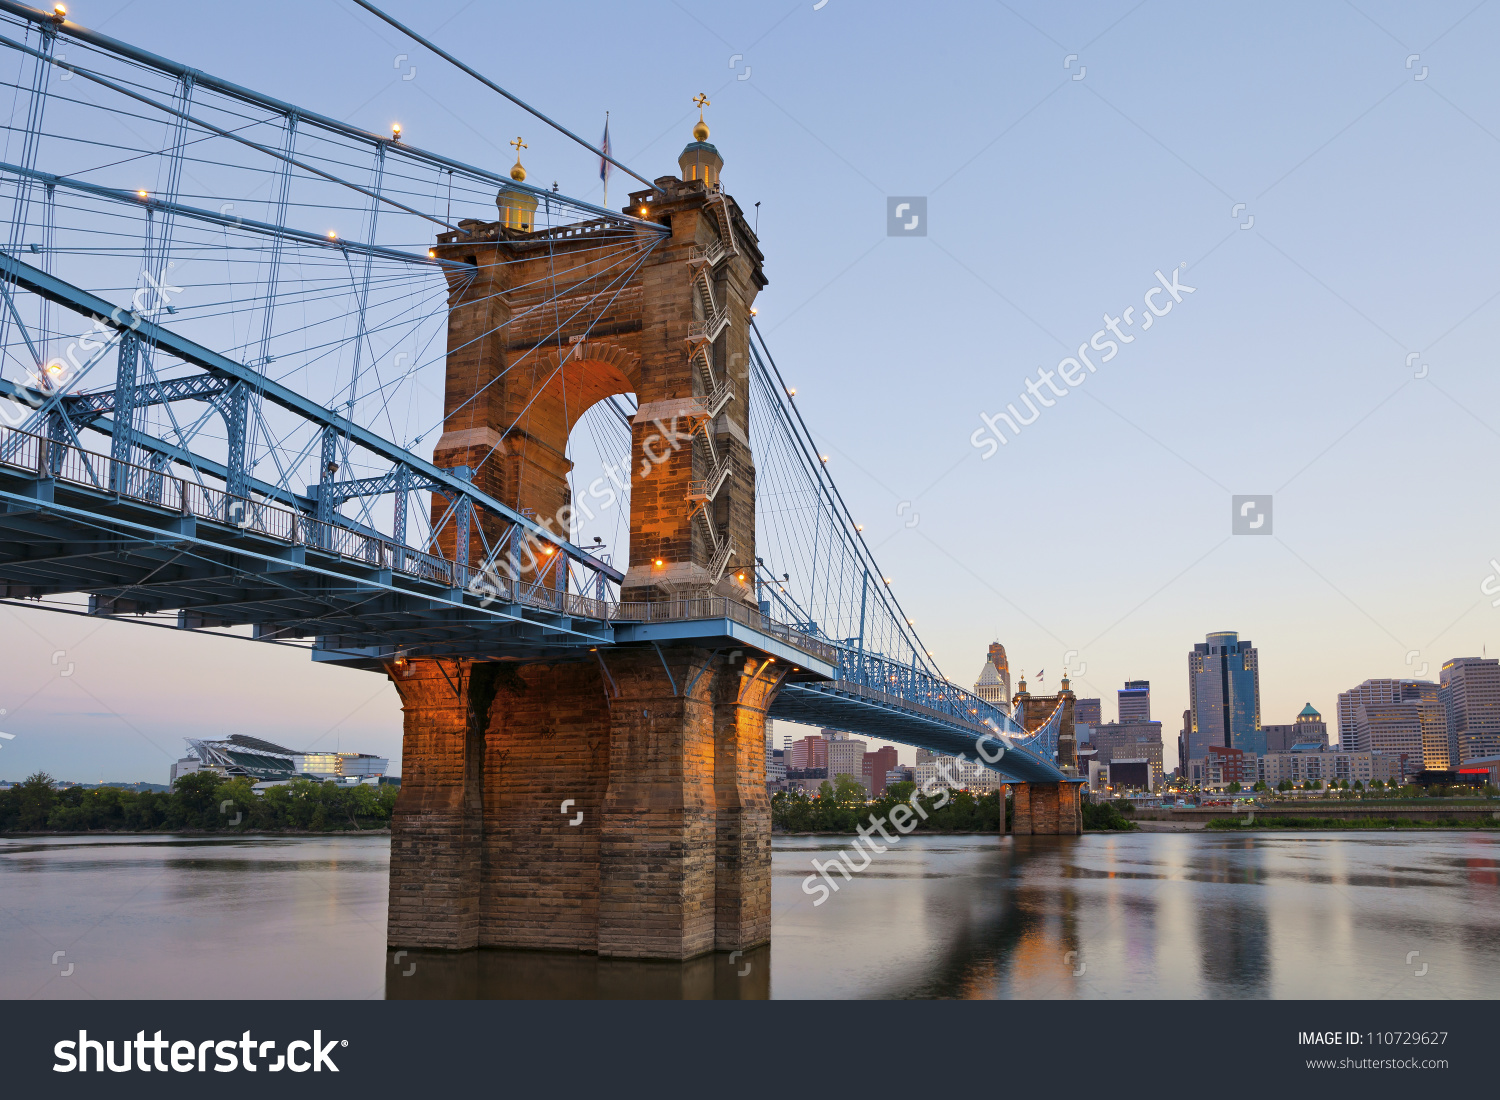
column 1234, row 949
column 541, row 975
column 1234, row 938
column 1101, row 916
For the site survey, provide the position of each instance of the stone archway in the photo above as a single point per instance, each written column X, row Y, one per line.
column 522, row 458
column 567, row 382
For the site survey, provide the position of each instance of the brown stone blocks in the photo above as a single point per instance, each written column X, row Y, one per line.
column 660, row 512
column 656, row 890
column 1047, row 809
column 743, row 691
column 664, row 760
column 547, row 743
column 435, row 830
column 1069, row 809
column 739, row 503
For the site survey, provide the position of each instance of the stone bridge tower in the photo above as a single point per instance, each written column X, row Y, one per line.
column 609, row 801
column 530, row 351
column 1048, row 807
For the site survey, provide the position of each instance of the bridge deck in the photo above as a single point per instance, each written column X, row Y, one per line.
column 846, row 706
column 166, row 546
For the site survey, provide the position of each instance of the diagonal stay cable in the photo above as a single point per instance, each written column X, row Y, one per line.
column 221, row 132
column 488, row 83
column 624, row 282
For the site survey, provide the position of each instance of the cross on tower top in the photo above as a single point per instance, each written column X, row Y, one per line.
column 700, row 131
column 518, row 173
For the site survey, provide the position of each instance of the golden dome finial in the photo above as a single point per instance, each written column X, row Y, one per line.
column 518, row 173
column 700, row 131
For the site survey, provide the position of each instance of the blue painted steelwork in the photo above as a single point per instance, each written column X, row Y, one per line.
column 133, row 524
column 333, row 425
column 897, row 717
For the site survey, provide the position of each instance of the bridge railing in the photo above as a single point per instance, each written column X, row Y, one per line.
column 38, row 456
column 724, row 607
column 901, row 681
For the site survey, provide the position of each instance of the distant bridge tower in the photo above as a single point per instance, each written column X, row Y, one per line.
column 1048, row 807
column 611, row 800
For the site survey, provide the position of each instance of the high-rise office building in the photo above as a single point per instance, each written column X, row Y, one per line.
column 846, row 756
column 875, row 769
column 1371, row 692
column 1469, row 688
column 1134, row 701
column 1394, row 729
column 1088, row 712
column 1308, row 729
column 1404, row 718
column 993, row 685
column 1130, row 741
column 809, row 753
column 1224, row 690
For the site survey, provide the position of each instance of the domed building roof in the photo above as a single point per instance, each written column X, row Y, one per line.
column 1309, row 712
column 993, row 685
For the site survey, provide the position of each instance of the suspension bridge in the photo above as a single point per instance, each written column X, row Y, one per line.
column 266, row 372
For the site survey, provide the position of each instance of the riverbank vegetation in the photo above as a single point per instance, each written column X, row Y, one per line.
column 1342, row 788
column 201, row 800
column 1278, row 821
column 1108, row 815
column 840, row 807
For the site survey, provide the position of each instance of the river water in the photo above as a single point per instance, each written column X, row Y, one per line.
column 1137, row 915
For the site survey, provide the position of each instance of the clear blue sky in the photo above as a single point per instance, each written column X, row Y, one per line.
column 1104, row 528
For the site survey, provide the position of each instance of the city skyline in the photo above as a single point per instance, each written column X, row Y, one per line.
column 785, row 731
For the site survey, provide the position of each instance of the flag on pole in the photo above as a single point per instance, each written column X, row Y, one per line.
column 604, row 165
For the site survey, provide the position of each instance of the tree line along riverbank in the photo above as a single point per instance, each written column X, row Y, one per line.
column 1269, row 822
column 843, row 808
column 201, row 800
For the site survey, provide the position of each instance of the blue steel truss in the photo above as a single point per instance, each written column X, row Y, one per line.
column 242, row 465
